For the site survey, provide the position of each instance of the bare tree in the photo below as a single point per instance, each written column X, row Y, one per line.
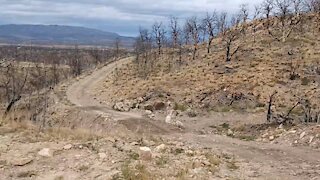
column 143, row 48
column 286, row 23
column 210, row 23
column 117, row 46
column 193, row 27
column 158, row 32
column 312, row 6
column 14, row 82
column 256, row 14
column 174, row 30
column 230, row 34
column 267, row 8
column 75, row 62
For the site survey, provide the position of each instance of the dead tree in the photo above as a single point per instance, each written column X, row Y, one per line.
column 312, row 6
column 210, row 23
column 143, row 48
column 174, row 31
column 230, row 35
column 117, row 47
column 267, row 8
column 14, row 83
column 270, row 104
column 96, row 55
column 256, row 14
column 75, row 62
column 158, row 32
column 193, row 27
column 286, row 21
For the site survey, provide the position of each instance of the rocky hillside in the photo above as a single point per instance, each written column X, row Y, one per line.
column 261, row 67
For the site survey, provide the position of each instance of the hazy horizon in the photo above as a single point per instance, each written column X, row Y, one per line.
column 122, row 17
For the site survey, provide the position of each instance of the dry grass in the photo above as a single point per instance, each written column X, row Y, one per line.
column 259, row 69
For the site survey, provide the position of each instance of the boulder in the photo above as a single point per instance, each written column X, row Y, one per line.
column 46, row 152
column 161, row 148
column 159, row 106
column 145, row 153
column 230, row 132
column 22, row 161
column 67, row 147
column 121, row 106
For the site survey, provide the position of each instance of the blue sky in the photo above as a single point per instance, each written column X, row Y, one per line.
column 120, row 16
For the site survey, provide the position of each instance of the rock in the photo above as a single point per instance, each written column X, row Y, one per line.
column 230, row 132
column 191, row 113
column 271, row 138
column 148, row 107
column 311, row 139
column 21, row 161
column 302, row 135
column 292, row 132
column 161, row 148
column 196, row 164
column 148, row 112
column 120, row 106
column 169, row 118
column 140, row 100
column 102, row 155
column 190, row 153
column 67, row 147
column 159, row 106
column 46, row 152
column 281, row 126
column 134, row 144
column 145, row 153
column 179, row 124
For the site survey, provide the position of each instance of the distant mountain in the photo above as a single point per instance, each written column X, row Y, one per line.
column 58, row 35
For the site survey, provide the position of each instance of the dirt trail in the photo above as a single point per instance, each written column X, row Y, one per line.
column 79, row 93
column 271, row 161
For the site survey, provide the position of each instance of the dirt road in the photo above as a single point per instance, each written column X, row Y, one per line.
column 268, row 161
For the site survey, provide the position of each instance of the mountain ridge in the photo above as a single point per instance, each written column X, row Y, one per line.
column 58, row 35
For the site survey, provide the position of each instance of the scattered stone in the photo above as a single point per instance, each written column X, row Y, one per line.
column 148, row 107
column 102, row 155
column 179, row 124
column 148, row 112
column 67, row 147
column 311, row 139
column 145, row 153
column 21, row 161
column 190, row 153
column 161, row 148
column 169, row 118
column 302, row 135
column 271, row 138
column 120, row 106
column 191, row 113
column 292, row 131
column 134, row 144
column 230, row 132
column 46, row 152
column 281, row 126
